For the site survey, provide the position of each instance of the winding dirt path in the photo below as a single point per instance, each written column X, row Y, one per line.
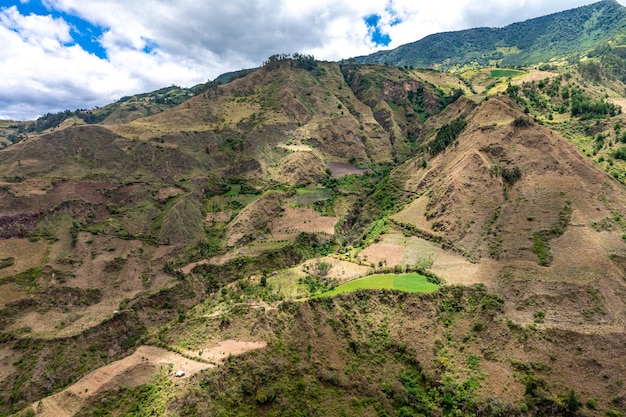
column 134, row 370
column 187, row 268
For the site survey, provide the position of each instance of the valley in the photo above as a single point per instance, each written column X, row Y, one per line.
column 324, row 238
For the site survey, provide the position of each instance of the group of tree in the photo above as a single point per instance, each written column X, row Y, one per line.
column 606, row 61
column 552, row 96
column 49, row 120
column 446, row 135
column 303, row 61
column 585, row 107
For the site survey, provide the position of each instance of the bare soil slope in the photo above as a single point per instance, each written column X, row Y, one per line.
column 521, row 195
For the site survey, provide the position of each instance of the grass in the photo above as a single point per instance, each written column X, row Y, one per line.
column 234, row 191
column 309, row 195
column 541, row 246
column 286, row 283
column 412, row 282
column 6, row 262
column 504, row 73
column 28, row 278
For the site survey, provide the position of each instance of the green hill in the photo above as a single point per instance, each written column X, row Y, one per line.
column 540, row 40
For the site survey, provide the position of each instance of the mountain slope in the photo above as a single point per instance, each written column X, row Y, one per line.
column 520, row 44
column 524, row 196
column 196, row 227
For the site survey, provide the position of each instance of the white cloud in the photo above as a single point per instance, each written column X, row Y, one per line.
column 190, row 41
column 40, row 73
column 42, row 31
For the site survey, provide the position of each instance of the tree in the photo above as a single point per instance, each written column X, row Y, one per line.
column 322, row 268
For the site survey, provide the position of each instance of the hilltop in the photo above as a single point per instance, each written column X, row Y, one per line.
column 546, row 39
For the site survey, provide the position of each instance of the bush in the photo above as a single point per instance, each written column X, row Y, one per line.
column 511, row 175
column 620, row 153
column 116, row 265
column 522, row 121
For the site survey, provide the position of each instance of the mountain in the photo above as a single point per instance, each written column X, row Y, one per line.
column 226, row 238
column 541, row 40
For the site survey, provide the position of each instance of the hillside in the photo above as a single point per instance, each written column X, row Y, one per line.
column 204, row 237
column 540, row 40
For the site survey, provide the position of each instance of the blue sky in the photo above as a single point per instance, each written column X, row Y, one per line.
column 83, row 32
column 68, row 54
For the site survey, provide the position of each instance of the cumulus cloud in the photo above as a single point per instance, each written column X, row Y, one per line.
column 154, row 43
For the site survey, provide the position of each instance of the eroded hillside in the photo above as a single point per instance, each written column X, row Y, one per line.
column 196, row 228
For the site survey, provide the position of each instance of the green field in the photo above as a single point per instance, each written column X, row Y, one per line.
column 504, row 73
column 234, row 191
column 309, row 195
column 404, row 282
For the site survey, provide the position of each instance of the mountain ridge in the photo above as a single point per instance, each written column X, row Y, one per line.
column 519, row 44
column 223, row 221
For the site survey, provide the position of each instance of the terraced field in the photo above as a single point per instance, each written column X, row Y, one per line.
column 404, row 282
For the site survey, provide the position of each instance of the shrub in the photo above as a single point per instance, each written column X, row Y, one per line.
column 620, row 153
column 522, row 121
column 511, row 176
column 116, row 265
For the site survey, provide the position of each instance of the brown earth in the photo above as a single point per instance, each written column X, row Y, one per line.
column 139, row 272
column 301, row 168
column 340, row 269
column 219, row 216
column 386, row 253
column 293, row 221
column 168, row 192
column 16, row 248
column 109, row 179
column 225, row 348
column 468, row 204
column 255, row 217
column 137, row 369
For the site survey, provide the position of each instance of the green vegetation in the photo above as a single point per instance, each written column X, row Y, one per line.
column 504, row 73
column 522, row 44
column 403, row 282
column 303, row 61
column 306, row 246
column 549, row 97
column 417, row 101
column 6, row 262
column 115, row 265
column 541, row 246
column 167, row 97
column 620, row 153
column 584, row 107
column 310, row 195
column 522, row 121
column 317, row 284
column 142, row 401
column 233, row 191
column 28, row 278
column 446, row 136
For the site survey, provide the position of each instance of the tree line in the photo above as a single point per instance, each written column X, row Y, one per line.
column 303, row 61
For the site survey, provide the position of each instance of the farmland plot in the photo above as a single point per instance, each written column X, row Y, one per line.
column 297, row 220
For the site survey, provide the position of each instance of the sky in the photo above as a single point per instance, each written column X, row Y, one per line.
column 79, row 54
